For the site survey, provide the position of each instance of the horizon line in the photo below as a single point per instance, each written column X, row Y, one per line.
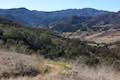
column 59, row 9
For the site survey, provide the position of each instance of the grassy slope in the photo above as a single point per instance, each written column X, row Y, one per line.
column 56, row 70
column 39, row 41
column 28, row 67
column 98, row 37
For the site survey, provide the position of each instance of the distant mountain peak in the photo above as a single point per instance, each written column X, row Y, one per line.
column 88, row 9
column 21, row 9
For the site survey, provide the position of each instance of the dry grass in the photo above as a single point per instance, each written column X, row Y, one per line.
column 14, row 66
column 84, row 72
column 98, row 37
column 81, row 73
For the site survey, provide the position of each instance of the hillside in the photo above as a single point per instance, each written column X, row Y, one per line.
column 98, row 37
column 94, row 23
column 99, row 29
column 70, row 20
column 44, row 42
column 70, row 24
column 42, row 19
column 30, row 40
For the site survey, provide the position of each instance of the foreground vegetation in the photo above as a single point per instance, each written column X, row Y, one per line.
column 16, row 66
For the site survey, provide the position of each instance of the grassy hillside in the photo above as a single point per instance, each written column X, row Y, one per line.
column 94, row 36
column 16, row 66
column 50, row 45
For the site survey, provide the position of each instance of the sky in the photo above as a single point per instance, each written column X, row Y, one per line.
column 53, row 5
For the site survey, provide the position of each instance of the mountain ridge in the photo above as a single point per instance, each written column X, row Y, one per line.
column 41, row 19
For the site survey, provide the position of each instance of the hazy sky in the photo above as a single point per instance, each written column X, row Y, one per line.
column 52, row 5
